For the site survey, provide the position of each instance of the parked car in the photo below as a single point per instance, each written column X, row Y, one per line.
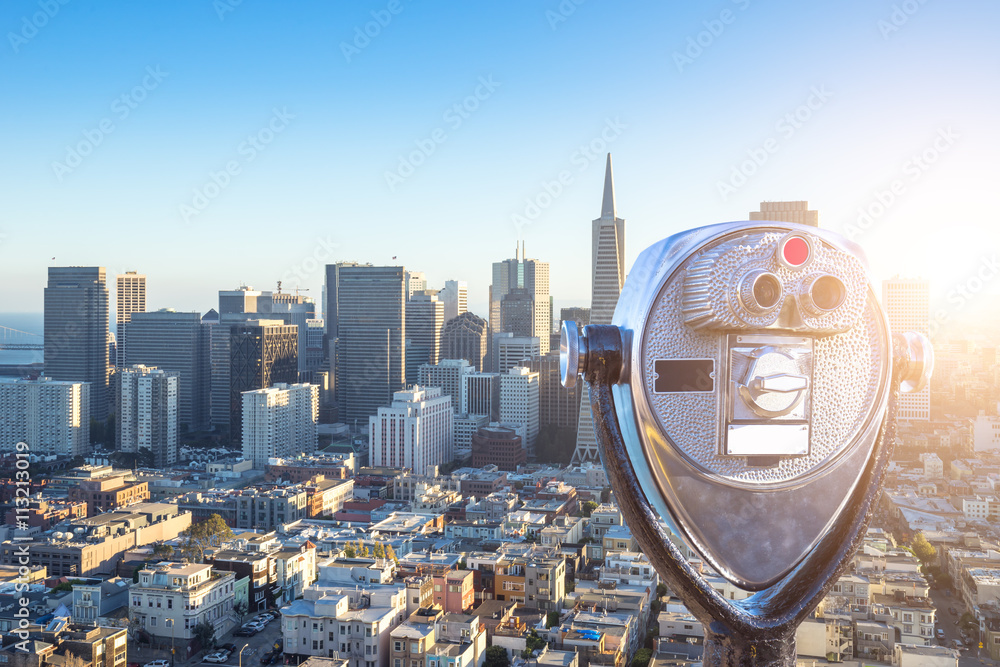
column 267, row 659
column 245, row 631
column 229, row 647
column 940, row 634
column 952, row 611
column 263, row 618
column 158, row 663
column 217, row 657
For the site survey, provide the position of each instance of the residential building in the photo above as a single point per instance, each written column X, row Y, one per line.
column 76, row 331
column 295, row 567
column 466, row 336
column 171, row 599
column 416, row 431
column 97, row 646
column 608, row 273
column 131, row 298
column 261, row 571
column 95, row 599
column 109, row 492
column 268, row 509
column 453, row 591
column 148, row 415
column 51, row 416
column 279, row 421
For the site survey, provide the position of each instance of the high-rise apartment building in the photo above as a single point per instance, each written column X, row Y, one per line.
column 416, row 431
column 519, row 404
column 148, row 415
column 516, row 281
column 424, row 321
column 76, row 331
column 366, row 323
column 130, row 298
column 510, row 350
column 608, row 272
column 455, row 297
column 262, row 353
column 51, row 416
column 907, row 306
column 466, row 337
column 279, row 422
column 177, row 343
column 787, row 211
column 447, row 374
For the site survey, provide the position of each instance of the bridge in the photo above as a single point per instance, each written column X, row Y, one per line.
column 12, row 339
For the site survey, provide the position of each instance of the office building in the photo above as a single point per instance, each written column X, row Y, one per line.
column 366, row 324
column 131, row 298
column 481, row 394
column 279, row 422
column 315, row 334
column 148, row 415
column 51, row 416
column 243, row 299
column 290, row 309
column 523, row 285
column 557, row 405
column 424, row 321
column 416, row 281
column 907, row 306
column 455, row 297
column 466, row 337
column 608, row 273
column 447, row 375
column 416, row 431
column 510, row 350
column 466, row 426
column 262, row 353
column 498, row 445
column 519, row 404
column 787, row 211
column 177, row 343
column 76, row 331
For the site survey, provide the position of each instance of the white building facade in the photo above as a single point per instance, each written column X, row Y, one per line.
column 519, row 404
column 148, row 418
column 279, row 421
column 51, row 416
column 416, row 431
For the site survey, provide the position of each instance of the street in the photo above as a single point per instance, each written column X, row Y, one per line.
column 256, row 647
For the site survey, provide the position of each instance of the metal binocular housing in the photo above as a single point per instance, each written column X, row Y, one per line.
column 742, row 396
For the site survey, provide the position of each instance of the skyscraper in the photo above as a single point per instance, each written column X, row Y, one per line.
column 787, row 211
column 414, row 432
column 523, row 284
column 131, row 298
column 907, row 306
column 147, row 413
column 424, row 321
column 262, row 353
column 366, row 323
column 455, row 297
column 447, row 374
column 243, row 299
column 76, row 331
column 466, row 337
column 608, row 271
column 510, row 350
column 177, row 343
column 519, row 404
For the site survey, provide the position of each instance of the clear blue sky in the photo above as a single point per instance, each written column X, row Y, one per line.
column 680, row 117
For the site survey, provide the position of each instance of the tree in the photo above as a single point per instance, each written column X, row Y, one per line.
column 588, row 508
column 74, row 660
column 163, row 551
column 532, row 643
column 496, row 656
column 661, row 590
column 642, row 657
column 923, row 549
column 205, row 633
column 606, row 495
column 349, row 550
column 390, row 553
column 212, row 532
column 242, row 609
column 551, row 619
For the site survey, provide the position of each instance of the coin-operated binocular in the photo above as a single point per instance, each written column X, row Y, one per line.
column 745, row 394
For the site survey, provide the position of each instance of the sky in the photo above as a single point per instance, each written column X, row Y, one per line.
column 209, row 144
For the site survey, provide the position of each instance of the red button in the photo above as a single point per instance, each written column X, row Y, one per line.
column 795, row 251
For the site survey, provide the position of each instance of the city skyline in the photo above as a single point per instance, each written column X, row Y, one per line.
column 891, row 140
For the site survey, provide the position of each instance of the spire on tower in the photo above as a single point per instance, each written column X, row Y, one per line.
column 608, row 205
